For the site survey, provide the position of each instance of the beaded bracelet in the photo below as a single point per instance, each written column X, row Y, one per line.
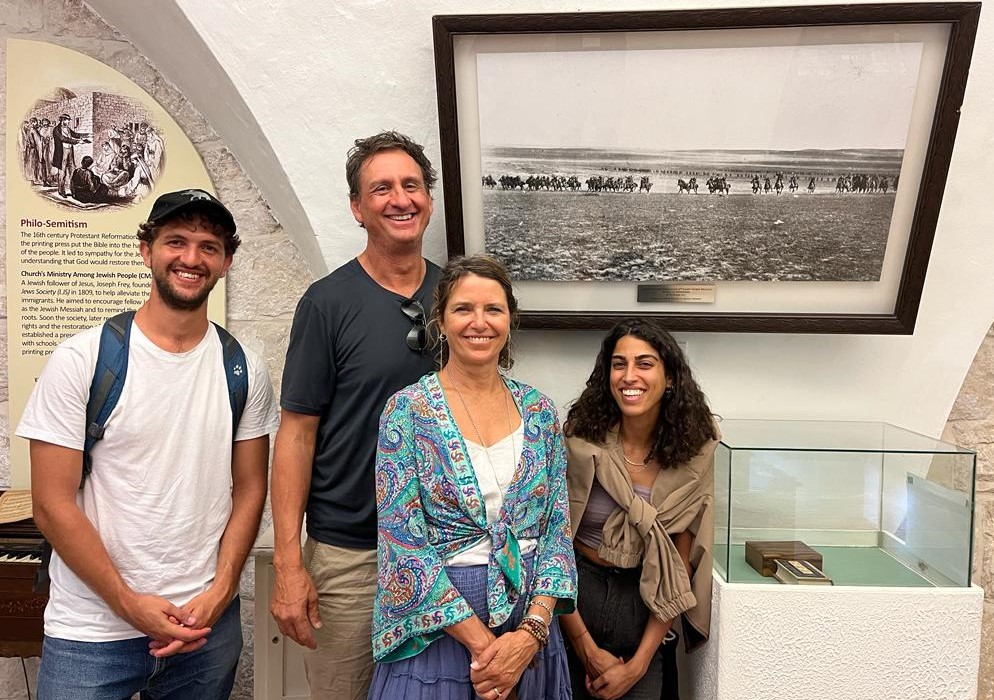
column 535, row 631
column 536, row 621
column 545, row 606
column 536, row 627
column 537, row 618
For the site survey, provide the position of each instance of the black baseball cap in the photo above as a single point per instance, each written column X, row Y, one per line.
column 174, row 202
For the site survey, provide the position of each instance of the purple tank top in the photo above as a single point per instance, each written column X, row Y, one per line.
column 599, row 507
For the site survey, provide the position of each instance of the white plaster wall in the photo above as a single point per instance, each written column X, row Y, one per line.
column 315, row 75
column 839, row 642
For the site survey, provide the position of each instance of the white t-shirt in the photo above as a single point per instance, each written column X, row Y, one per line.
column 494, row 467
column 160, row 491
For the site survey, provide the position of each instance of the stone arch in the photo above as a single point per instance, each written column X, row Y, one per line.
column 271, row 269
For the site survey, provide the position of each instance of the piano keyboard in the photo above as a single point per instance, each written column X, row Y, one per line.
column 20, row 550
column 20, row 559
column 21, row 607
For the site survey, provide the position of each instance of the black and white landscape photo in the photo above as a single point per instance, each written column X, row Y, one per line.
column 755, row 163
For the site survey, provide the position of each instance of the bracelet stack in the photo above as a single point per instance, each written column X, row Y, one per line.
column 537, row 627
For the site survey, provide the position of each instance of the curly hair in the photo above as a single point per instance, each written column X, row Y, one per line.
column 366, row 148
column 457, row 268
column 685, row 422
column 203, row 215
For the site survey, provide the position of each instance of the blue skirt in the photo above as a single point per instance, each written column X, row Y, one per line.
column 441, row 671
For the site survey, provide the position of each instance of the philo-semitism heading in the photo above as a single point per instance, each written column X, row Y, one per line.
column 52, row 223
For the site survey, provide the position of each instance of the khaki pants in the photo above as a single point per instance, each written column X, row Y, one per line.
column 342, row 666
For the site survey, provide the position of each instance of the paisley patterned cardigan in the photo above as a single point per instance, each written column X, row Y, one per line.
column 430, row 507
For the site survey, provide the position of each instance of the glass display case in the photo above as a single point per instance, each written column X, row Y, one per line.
column 883, row 506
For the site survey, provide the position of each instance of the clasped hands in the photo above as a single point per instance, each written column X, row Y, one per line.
column 608, row 676
column 174, row 629
column 498, row 667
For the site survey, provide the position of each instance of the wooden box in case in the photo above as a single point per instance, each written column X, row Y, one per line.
column 760, row 554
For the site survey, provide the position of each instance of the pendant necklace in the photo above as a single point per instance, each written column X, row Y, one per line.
column 479, row 435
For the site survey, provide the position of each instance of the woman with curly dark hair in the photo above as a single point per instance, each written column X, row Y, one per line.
column 641, row 441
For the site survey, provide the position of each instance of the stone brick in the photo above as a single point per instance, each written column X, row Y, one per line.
column 223, row 165
column 269, row 340
column 175, row 103
column 975, row 400
column 983, row 546
column 976, row 435
column 135, row 66
column 244, row 678
column 261, row 267
column 246, row 584
column 255, row 219
column 970, row 433
column 236, row 190
column 985, row 467
column 74, row 18
column 21, row 17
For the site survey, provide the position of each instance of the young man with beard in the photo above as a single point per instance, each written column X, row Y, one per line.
column 149, row 550
column 358, row 336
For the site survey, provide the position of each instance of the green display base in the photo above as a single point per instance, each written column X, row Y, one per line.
column 846, row 566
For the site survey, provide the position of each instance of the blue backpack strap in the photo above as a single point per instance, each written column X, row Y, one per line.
column 108, row 381
column 236, row 374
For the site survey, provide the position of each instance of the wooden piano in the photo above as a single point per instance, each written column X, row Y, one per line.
column 21, row 606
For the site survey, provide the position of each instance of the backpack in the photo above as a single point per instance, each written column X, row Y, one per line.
column 112, row 369
column 108, row 382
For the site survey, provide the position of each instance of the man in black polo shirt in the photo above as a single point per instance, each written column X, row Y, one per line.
column 358, row 336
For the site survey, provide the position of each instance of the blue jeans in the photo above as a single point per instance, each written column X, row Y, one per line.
column 73, row 670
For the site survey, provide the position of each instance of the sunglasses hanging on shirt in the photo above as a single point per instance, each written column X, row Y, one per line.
column 417, row 337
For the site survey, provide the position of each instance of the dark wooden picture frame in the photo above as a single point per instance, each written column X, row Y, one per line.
column 961, row 20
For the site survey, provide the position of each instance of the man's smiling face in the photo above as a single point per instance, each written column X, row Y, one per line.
column 394, row 204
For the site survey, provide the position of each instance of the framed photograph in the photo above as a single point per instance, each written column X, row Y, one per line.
column 759, row 170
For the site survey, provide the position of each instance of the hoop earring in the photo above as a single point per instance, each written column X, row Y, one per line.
column 504, row 362
column 668, row 393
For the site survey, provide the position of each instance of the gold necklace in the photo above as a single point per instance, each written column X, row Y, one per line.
column 634, row 466
column 631, row 465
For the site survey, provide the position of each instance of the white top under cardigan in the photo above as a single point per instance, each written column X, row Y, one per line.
column 494, row 467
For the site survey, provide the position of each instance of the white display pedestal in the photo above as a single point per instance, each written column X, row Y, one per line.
column 838, row 642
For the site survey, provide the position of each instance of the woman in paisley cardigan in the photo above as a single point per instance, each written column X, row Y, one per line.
column 641, row 483
column 475, row 552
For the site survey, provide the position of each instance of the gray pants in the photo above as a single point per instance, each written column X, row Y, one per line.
column 612, row 609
